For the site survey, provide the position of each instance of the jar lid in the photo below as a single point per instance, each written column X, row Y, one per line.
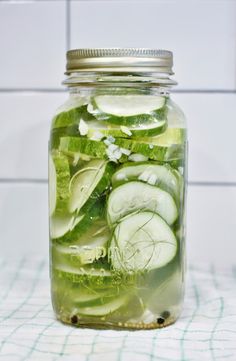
column 133, row 60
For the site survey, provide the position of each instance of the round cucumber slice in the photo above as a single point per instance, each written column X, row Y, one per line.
column 169, row 137
column 61, row 224
column 128, row 105
column 99, row 129
column 87, row 295
column 93, row 215
column 93, row 148
column 95, row 276
column 104, row 309
column 142, row 242
column 161, row 176
column 98, row 149
column 71, row 117
column 128, row 109
column 59, row 180
column 137, row 196
column 88, row 183
column 52, row 175
column 150, row 149
column 89, row 247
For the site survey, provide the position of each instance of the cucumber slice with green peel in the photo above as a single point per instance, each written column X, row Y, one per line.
column 88, row 248
column 59, row 180
column 95, row 149
column 52, row 175
column 88, row 183
column 169, row 137
column 128, row 109
column 62, row 224
column 138, row 196
column 105, row 308
column 128, row 105
column 98, row 149
column 152, row 150
column 142, row 242
column 84, row 228
column 95, row 276
column 86, row 295
column 71, row 117
column 161, row 176
column 99, row 129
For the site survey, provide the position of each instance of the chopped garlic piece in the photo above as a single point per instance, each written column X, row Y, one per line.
column 76, row 159
column 125, row 130
column 121, row 177
column 152, row 179
column 90, row 108
column 135, row 157
column 125, row 151
column 83, row 127
column 113, row 147
column 111, row 139
column 144, row 176
column 97, row 136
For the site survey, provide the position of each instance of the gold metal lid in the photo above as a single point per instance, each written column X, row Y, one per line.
column 135, row 60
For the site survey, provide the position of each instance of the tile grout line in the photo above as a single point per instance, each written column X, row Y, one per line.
column 68, row 22
column 45, row 181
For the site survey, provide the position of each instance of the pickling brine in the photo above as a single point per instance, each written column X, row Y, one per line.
column 117, row 186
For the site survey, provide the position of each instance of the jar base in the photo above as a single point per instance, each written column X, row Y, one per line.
column 117, row 325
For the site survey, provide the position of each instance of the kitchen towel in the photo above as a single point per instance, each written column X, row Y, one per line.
column 206, row 329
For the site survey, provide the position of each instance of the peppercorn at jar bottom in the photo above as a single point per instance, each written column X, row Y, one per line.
column 117, row 179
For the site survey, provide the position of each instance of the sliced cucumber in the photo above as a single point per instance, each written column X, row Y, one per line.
column 59, row 180
column 52, row 176
column 95, row 149
column 86, row 295
column 150, row 149
column 104, row 309
column 91, row 246
column 136, row 196
column 98, row 149
column 128, row 109
column 169, row 137
column 161, row 176
column 94, row 276
column 88, row 183
column 142, row 242
column 61, row 224
column 71, row 117
column 128, row 105
column 100, row 129
column 93, row 215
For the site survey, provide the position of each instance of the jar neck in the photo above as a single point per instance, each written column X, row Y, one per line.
column 151, row 82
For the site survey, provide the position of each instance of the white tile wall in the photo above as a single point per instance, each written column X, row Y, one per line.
column 212, row 128
column 202, row 35
column 23, row 218
column 25, row 125
column 32, row 43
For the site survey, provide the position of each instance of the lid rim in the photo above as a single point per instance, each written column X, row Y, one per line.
column 110, row 58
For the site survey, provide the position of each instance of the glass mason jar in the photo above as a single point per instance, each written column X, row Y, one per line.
column 117, row 180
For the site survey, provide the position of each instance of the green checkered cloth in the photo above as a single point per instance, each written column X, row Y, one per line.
column 29, row 331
